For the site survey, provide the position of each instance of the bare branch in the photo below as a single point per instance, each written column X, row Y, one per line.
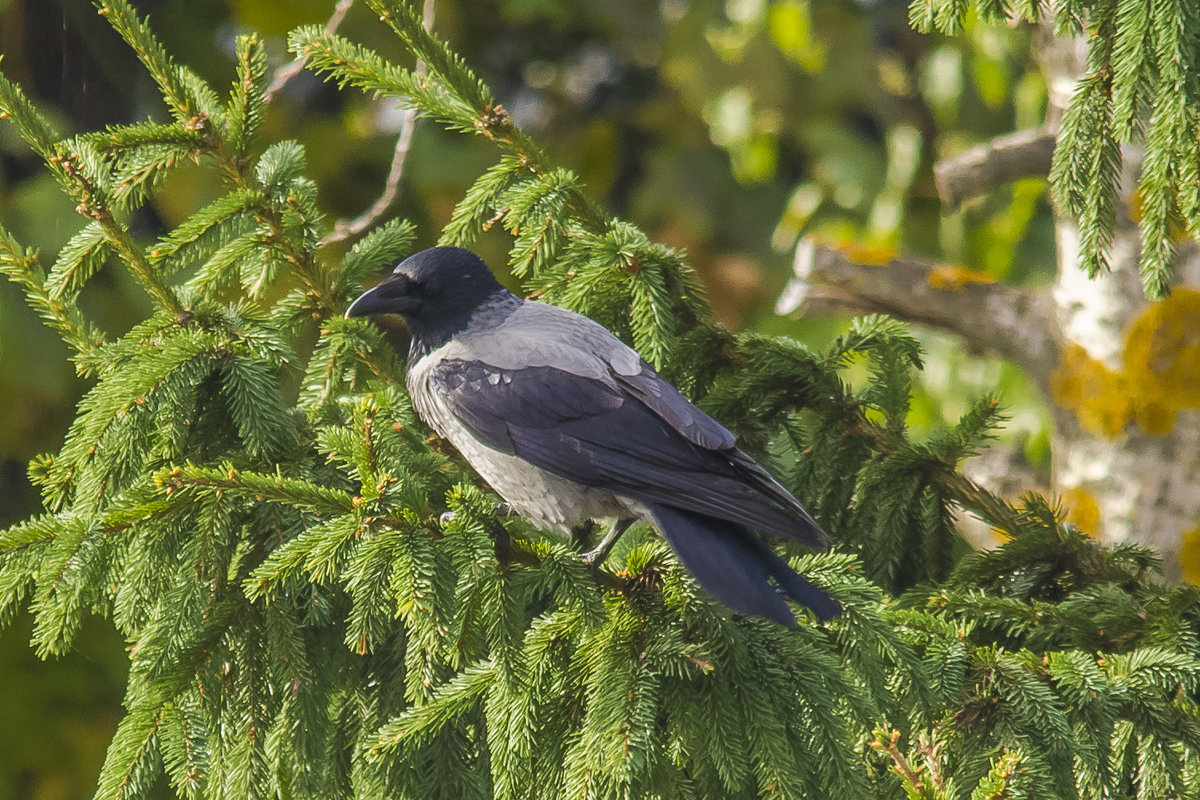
column 994, row 317
column 352, row 229
column 294, row 68
column 1024, row 154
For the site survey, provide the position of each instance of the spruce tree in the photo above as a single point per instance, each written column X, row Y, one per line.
column 247, row 495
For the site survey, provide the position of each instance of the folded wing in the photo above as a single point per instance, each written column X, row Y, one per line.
column 633, row 435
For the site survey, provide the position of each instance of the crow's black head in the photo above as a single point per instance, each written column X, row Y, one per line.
column 436, row 291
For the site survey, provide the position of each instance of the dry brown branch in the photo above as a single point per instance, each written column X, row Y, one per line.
column 989, row 316
column 1024, row 154
column 294, row 68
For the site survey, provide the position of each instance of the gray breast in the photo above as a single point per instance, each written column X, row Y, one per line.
column 544, row 499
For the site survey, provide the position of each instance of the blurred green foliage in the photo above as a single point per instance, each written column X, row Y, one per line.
column 58, row 716
column 726, row 128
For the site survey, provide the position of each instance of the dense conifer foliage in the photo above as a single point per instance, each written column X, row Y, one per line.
column 248, row 496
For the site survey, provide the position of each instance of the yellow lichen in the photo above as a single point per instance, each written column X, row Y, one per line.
column 1189, row 555
column 866, row 254
column 1098, row 395
column 1082, row 509
column 1162, row 349
column 952, row 277
column 1159, row 375
column 1153, row 417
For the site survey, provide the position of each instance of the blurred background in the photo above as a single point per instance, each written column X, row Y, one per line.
column 728, row 129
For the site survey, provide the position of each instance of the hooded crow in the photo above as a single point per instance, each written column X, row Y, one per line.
column 568, row 424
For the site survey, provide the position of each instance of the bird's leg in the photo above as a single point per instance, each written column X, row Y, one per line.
column 597, row 554
column 501, row 543
column 500, row 538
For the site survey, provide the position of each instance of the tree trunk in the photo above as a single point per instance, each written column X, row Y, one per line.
column 1124, row 395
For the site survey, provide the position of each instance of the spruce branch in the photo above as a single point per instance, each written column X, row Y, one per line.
column 227, row 135
column 301, row 625
column 218, row 221
column 409, row 25
column 352, row 64
column 117, row 138
column 1140, row 75
column 449, row 702
column 288, row 72
column 782, row 379
column 988, row 506
column 450, row 92
column 78, row 260
column 258, row 486
column 301, row 257
column 915, row 784
column 383, row 245
column 139, row 264
column 34, row 128
column 1084, row 175
column 79, row 169
column 247, row 102
column 179, row 96
column 525, row 552
column 466, row 221
column 135, row 258
column 130, row 766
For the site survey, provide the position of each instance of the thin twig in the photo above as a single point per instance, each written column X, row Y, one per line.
column 285, row 73
column 900, row 763
column 351, row 229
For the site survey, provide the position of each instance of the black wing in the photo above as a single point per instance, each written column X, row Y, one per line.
column 636, row 437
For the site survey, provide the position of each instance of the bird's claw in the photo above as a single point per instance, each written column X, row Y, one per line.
column 595, row 557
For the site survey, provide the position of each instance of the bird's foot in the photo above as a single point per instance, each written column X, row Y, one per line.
column 595, row 557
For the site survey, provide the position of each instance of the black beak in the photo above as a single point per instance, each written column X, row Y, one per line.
column 393, row 295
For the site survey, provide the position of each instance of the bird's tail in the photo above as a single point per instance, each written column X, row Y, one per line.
column 735, row 566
